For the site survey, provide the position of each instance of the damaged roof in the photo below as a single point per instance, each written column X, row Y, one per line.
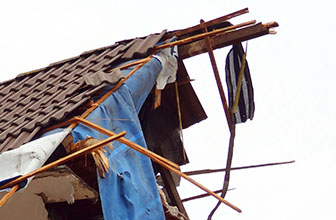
column 37, row 99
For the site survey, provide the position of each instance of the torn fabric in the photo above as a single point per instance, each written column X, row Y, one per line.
column 28, row 157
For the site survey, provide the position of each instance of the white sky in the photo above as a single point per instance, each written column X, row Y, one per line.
column 292, row 72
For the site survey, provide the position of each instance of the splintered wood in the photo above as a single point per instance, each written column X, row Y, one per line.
column 99, row 157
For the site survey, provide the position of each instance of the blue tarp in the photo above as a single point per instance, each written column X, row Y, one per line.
column 129, row 190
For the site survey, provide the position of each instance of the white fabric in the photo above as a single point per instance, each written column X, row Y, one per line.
column 30, row 156
column 168, row 59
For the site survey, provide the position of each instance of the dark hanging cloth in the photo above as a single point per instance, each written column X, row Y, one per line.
column 245, row 108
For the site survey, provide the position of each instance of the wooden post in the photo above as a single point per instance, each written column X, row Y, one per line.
column 217, row 77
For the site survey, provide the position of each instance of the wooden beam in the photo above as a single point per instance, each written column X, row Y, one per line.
column 219, row 20
column 161, row 161
column 225, row 39
column 209, row 49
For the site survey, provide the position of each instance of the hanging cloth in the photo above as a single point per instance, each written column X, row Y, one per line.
column 246, row 105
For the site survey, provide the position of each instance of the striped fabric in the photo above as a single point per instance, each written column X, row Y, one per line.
column 246, row 106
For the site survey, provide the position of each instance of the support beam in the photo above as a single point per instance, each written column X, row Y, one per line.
column 225, row 39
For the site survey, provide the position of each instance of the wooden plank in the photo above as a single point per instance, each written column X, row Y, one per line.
column 205, row 171
column 209, row 48
column 215, row 21
column 155, row 157
column 224, row 39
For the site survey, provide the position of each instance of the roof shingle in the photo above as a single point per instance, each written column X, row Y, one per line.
column 38, row 98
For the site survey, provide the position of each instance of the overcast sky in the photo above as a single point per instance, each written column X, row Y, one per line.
column 293, row 74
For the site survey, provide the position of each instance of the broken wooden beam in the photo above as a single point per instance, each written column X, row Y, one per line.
column 225, row 39
column 209, row 49
column 215, row 21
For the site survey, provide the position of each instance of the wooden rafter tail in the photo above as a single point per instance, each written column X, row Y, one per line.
column 201, row 36
column 206, row 171
column 64, row 160
column 272, row 24
column 155, row 157
column 223, row 39
column 215, row 21
column 5, row 198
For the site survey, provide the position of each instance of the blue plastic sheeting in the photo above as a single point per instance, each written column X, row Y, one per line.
column 129, row 190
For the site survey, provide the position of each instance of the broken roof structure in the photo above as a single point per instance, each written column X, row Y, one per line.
column 136, row 94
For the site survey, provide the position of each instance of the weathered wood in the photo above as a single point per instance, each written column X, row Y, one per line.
column 201, row 36
column 63, row 160
column 225, row 39
column 217, row 76
column 171, row 190
column 215, row 21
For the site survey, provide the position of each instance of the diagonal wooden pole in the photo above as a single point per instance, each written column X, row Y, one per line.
column 64, row 160
column 231, row 126
column 155, row 157
column 160, row 160
column 8, row 195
